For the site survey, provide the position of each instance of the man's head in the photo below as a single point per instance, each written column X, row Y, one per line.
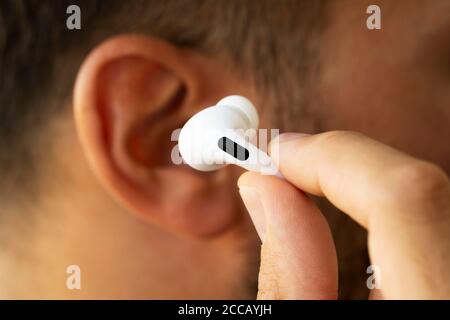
column 142, row 68
column 97, row 187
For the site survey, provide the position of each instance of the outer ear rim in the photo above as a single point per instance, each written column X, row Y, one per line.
column 108, row 51
column 112, row 49
column 87, row 117
column 90, row 129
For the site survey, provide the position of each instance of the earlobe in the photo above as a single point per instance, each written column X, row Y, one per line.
column 130, row 94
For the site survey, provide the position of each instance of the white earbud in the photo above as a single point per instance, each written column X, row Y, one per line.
column 224, row 134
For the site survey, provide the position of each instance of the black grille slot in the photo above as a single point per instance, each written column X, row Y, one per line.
column 233, row 149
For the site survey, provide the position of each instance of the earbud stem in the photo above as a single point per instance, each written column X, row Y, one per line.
column 237, row 150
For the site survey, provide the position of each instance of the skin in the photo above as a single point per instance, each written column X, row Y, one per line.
column 403, row 202
column 140, row 227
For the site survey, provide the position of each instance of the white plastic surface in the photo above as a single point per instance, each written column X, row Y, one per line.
column 198, row 140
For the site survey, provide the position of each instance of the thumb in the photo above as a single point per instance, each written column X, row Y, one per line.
column 298, row 257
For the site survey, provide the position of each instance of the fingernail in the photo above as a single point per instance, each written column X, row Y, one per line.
column 288, row 136
column 252, row 202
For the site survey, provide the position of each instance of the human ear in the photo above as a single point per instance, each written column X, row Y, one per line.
column 131, row 93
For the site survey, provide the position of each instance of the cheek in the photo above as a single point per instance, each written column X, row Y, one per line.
column 396, row 105
column 360, row 100
column 391, row 85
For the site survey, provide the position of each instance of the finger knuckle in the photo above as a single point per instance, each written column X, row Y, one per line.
column 422, row 179
column 422, row 185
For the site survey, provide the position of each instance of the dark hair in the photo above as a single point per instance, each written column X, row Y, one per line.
column 40, row 56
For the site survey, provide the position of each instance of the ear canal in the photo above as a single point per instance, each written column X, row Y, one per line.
column 243, row 105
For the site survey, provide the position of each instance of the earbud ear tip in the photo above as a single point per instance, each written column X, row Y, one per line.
column 245, row 106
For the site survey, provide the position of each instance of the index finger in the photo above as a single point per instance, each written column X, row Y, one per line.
column 360, row 175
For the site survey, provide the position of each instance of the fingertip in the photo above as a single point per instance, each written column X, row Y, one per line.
column 248, row 178
column 282, row 139
column 262, row 182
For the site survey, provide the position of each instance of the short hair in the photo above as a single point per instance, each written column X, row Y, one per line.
column 273, row 40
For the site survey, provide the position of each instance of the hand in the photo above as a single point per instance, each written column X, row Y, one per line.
column 403, row 202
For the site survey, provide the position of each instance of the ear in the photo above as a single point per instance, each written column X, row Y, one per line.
column 131, row 93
